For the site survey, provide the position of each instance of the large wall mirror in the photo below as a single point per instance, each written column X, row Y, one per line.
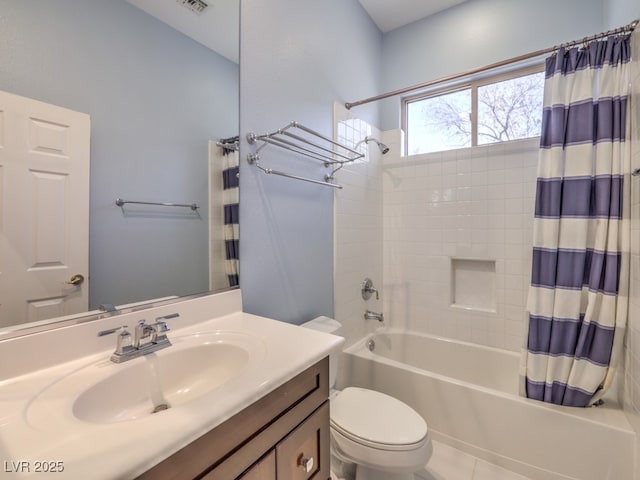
column 158, row 82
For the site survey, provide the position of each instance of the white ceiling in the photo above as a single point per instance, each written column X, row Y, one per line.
column 391, row 14
column 218, row 27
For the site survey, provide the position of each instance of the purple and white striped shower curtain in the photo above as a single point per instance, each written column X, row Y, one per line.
column 231, row 199
column 578, row 297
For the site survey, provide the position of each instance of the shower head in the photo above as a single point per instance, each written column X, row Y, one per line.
column 383, row 148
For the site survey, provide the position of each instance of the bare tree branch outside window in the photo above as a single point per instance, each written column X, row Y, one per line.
column 507, row 110
column 440, row 123
column 510, row 110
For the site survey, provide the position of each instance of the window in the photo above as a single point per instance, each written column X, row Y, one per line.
column 440, row 122
column 498, row 109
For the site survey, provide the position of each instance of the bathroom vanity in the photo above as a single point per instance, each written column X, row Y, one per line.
column 284, row 436
column 235, row 396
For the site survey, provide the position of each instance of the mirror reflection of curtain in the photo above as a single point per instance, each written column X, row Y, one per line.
column 231, row 197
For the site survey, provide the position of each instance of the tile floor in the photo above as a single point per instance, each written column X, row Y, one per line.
column 447, row 463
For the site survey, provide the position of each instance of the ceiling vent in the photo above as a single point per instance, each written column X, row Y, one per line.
column 196, row 6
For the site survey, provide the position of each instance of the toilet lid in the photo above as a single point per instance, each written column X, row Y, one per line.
column 376, row 418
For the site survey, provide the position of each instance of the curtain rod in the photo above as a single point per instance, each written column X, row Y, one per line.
column 627, row 28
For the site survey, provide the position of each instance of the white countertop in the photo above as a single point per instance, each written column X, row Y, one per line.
column 128, row 448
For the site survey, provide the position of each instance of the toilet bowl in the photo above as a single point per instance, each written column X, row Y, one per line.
column 374, row 436
column 382, row 436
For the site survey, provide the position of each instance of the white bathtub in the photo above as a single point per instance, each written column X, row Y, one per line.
column 468, row 395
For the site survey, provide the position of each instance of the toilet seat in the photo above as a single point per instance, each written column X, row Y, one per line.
column 377, row 420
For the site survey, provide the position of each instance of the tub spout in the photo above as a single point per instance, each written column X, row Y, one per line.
column 369, row 315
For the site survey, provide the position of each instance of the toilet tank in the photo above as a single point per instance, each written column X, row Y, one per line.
column 334, row 327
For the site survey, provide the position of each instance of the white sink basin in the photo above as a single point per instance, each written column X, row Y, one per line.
column 105, row 392
column 160, row 382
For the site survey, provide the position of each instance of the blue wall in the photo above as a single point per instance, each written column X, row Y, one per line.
column 478, row 33
column 296, row 58
column 299, row 56
column 620, row 12
column 155, row 98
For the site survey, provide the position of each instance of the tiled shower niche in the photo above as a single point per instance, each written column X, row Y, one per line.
column 473, row 284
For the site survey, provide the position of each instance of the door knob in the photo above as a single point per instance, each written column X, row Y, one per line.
column 76, row 279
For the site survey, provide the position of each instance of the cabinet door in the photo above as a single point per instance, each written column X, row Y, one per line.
column 304, row 453
column 264, row 469
column 232, row 448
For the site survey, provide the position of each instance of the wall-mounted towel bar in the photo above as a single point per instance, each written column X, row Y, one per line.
column 305, row 141
column 254, row 160
column 193, row 206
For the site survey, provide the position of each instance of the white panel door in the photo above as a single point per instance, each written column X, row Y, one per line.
column 44, row 210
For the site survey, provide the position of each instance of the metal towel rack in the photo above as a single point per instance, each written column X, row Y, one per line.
column 193, row 206
column 229, row 143
column 307, row 142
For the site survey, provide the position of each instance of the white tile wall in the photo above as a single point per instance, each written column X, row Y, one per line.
column 358, row 227
column 469, row 203
column 632, row 352
column 417, row 212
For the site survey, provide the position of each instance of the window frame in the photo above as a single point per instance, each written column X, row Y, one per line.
column 473, row 84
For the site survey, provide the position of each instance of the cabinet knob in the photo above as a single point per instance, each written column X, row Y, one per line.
column 305, row 463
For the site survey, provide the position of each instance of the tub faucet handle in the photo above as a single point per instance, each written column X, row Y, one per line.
column 368, row 289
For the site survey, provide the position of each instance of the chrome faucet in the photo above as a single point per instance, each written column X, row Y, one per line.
column 369, row 315
column 147, row 338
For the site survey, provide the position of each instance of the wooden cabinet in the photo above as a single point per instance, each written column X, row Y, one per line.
column 282, row 436
column 263, row 469
column 299, row 455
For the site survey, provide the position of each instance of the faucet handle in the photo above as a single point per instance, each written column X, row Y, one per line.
column 123, row 342
column 368, row 289
column 161, row 327
column 167, row 317
column 109, row 331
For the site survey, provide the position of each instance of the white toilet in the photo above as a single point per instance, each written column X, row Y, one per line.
column 373, row 436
